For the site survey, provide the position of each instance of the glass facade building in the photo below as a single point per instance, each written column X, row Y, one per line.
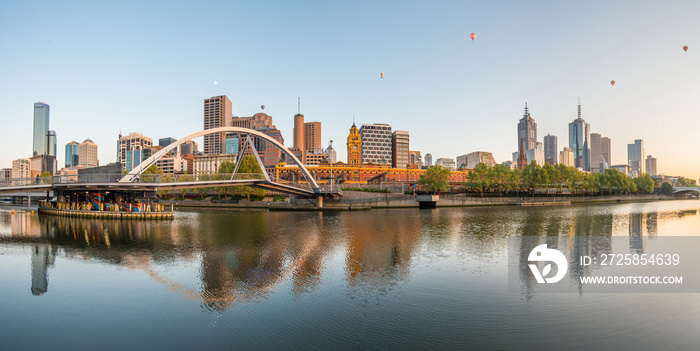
column 41, row 128
column 71, row 154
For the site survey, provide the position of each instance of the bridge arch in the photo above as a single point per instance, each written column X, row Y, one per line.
column 155, row 157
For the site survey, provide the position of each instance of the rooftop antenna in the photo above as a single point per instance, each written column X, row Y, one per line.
column 579, row 107
column 299, row 105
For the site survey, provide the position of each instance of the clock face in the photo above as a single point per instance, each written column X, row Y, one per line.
column 354, row 147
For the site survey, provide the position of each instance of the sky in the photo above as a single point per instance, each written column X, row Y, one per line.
column 132, row 66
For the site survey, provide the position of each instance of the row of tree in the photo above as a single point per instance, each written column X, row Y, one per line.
column 534, row 179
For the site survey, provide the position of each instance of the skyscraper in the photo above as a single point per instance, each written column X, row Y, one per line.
column 651, row 165
column 312, row 136
column 128, row 143
column 71, row 154
column 376, row 143
column 400, row 141
column 51, row 143
column 428, row 160
column 87, row 154
column 354, row 144
column 550, row 149
column 217, row 110
column 298, row 141
column 635, row 157
column 41, row 128
column 527, row 131
column 580, row 141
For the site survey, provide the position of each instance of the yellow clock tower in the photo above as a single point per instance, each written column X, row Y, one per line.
column 354, row 146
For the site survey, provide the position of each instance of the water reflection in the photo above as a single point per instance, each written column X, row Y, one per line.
column 243, row 257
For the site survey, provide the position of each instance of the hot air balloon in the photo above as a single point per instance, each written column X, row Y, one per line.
column 473, row 36
column 612, row 82
column 685, row 48
column 382, row 75
column 262, row 107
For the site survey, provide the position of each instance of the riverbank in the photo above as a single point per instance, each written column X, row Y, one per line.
column 361, row 201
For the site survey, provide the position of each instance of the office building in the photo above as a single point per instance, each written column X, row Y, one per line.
column 269, row 154
column 651, row 166
column 399, row 147
column 298, row 133
column 527, row 131
column 209, row 164
column 624, row 169
column 448, row 163
column 41, row 129
column 166, row 141
column 20, row 168
column 51, row 143
column 566, row 157
column 217, row 111
column 330, row 152
column 189, row 148
column 635, row 158
column 42, row 163
column 5, row 176
column 428, row 160
column 354, row 145
column 71, row 154
column 580, row 141
column 550, row 149
column 257, row 121
column 133, row 141
column 133, row 159
column 87, row 154
column 470, row 160
column 376, row 143
column 312, row 136
column 600, row 153
column 414, row 159
column 232, row 143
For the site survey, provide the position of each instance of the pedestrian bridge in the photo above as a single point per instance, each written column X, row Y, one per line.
column 137, row 181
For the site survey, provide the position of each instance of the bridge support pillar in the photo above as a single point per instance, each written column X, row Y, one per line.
column 319, row 199
column 60, row 196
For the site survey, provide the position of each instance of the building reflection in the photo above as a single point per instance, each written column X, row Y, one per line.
column 43, row 257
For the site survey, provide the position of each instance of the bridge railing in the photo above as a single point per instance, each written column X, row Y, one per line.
column 115, row 177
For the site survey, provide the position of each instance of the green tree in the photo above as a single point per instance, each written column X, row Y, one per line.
column 248, row 167
column 479, row 177
column 46, row 178
column 667, row 188
column 435, row 179
column 645, row 184
column 151, row 174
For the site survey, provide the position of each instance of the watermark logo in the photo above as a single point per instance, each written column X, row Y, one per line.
column 542, row 254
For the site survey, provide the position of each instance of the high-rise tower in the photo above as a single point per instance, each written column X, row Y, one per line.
column 527, row 131
column 41, row 128
column 217, row 111
column 579, row 142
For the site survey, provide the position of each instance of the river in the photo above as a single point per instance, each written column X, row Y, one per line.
column 379, row 279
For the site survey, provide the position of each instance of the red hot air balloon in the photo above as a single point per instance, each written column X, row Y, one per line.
column 473, row 36
column 685, row 48
column 382, row 75
column 612, row 82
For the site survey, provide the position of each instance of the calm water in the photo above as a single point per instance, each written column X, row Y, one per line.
column 399, row 279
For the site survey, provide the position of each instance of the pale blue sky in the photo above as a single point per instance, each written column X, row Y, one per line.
column 106, row 66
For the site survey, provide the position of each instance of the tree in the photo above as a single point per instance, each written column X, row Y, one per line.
column 667, row 188
column 435, row 179
column 151, row 174
column 227, row 167
column 249, row 166
column 645, row 184
column 46, row 177
column 479, row 177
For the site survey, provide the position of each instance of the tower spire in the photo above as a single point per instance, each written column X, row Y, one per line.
column 579, row 107
column 526, row 110
column 299, row 105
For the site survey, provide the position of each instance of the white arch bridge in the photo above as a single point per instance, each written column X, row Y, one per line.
column 136, row 181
